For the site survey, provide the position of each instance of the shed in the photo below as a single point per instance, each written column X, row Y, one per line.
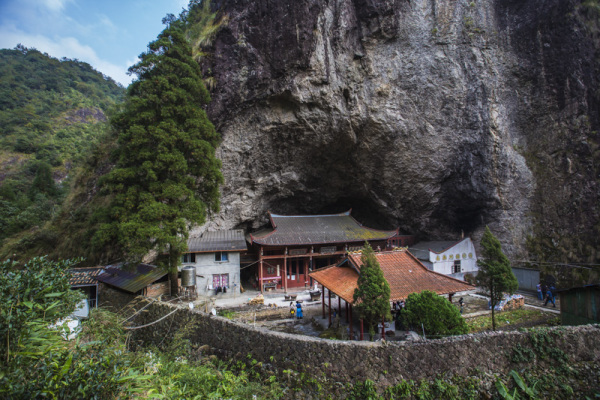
column 580, row 305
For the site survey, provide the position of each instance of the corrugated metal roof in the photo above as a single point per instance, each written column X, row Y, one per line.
column 404, row 273
column 131, row 281
column 317, row 229
column 84, row 276
column 232, row 240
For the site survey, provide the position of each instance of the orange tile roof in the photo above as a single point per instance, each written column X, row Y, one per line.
column 403, row 271
column 406, row 275
column 340, row 280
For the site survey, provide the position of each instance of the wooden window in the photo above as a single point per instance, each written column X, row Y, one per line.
column 457, row 267
column 188, row 258
column 221, row 256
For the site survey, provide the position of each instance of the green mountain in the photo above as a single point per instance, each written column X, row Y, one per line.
column 52, row 112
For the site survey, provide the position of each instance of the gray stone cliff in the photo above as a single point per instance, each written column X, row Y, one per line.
column 435, row 116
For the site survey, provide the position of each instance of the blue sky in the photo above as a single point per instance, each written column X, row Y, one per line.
column 108, row 34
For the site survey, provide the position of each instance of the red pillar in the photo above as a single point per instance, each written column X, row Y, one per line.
column 350, row 322
column 260, row 274
column 285, row 270
column 329, row 293
column 362, row 336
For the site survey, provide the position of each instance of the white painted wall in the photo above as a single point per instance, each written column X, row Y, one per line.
column 206, row 266
column 444, row 262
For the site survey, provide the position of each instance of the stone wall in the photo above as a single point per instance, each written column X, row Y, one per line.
column 386, row 363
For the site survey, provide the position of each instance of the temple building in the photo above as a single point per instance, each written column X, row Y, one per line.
column 298, row 244
column 404, row 273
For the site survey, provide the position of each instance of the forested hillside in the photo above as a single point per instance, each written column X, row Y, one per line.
column 51, row 114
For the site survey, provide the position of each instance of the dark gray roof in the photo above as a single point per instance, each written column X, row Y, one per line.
column 421, row 249
column 233, row 240
column 131, row 281
column 317, row 229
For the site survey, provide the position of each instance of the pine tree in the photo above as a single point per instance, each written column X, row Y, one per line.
column 495, row 274
column 372, row 296
column 166, row 176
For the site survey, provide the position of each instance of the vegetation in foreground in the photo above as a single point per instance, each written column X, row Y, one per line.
column 37, row 362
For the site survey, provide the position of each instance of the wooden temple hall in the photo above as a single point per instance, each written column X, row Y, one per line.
column 298, row 244
column 404, row 273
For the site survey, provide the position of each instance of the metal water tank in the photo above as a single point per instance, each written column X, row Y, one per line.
column 188, row 276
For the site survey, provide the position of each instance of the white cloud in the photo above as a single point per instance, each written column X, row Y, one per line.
column 64, row 47
column 55, row 5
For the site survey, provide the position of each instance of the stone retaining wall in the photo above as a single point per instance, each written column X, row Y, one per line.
column 385, row 363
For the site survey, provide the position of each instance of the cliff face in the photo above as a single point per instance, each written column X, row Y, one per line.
column 437, row 116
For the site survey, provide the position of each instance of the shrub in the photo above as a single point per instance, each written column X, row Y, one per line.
column 433, row 313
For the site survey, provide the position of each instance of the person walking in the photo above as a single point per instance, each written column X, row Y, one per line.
column 550, row 297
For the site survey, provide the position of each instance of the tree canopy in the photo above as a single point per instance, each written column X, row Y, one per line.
column 495, row 273
column 51, row 114
column 166, row 176
column 436, row 314
column 372, row 296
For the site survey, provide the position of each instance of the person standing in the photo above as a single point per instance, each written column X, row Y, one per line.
column 299, row 310
column 544, row 288
column 539, row 290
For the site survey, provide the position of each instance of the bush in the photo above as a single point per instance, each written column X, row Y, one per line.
column 37, row 361
column 435, row 314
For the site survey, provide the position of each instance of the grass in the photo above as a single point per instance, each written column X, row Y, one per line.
column 510, row 318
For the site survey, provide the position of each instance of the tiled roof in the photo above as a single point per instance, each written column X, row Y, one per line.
column 232, row 240
column 404, row 273
column 421, row 249
column 84, row 276
column 317, row 229
column 131, row 282
column 340, row 280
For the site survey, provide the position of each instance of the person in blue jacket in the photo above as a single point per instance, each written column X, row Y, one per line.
column 550, row 296
column 299, row 310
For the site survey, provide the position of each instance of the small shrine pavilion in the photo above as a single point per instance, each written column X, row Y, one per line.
column 298, row 244
column 404, row 273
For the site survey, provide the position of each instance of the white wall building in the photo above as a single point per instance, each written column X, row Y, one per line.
column 216, row 256
column 447, row 257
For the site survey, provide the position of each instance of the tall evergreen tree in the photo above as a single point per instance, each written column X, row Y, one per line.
column 372, row 296
column 495, row 274
column 166, row 176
